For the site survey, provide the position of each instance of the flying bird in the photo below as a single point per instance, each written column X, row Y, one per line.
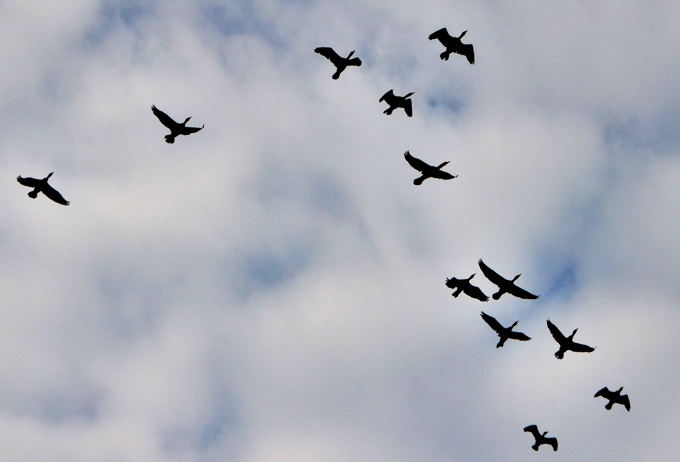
column 466, row 287
column 338, row 61
column 503, row 332
column 42, row 186
column 428, row 171
column 504, row 285
column 395, row 102
column 541, row 438
column 176, row 129
column 614, row 397
column 567, row 343
column 453, row 45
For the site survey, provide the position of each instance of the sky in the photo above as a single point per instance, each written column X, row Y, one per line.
column 271, row 288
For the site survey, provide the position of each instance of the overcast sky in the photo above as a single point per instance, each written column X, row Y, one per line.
column 271, row 289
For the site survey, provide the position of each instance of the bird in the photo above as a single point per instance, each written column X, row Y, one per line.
column 505, row 285
column 541, row 438
column 44, row 187
column 428, row 171
column 176, row 129
column 395, row 102
column 567, row 343
column 503, row 332
column 614, row 397
column 338, row 61
column 464, row 285
column 453, row 45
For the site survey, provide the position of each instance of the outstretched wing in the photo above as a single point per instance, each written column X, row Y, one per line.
column 475, row 292
column 626, row 402
column 387, row 97
column 408, row 108
column 442, row 175
column 189, row 130
column 521, row 293
column 604, row 392
column 415, row 162
column 164, row 118
column 557, row 335
column 519, row 336
column 580, row 348
column 53, row 194
column 552, row 441
column 533, row 429
column 490, row 274
column 328, row 53
column 27, row 181
column 468, row 51
column 492, row 322
column 441, row 35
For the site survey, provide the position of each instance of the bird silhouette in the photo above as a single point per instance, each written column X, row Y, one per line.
column 504, row 333
column 428, row 171
column 338, row 61
column 176, row 128
column 541, row 438
column 504, row 285
column 567, row 343
column 44, row 187
column 395, row 102
column 466, row 287
column 614, row 397
column 453, row 45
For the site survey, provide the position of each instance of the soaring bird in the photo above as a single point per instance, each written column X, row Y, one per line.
column 541, row 438
column 176, row 129
column 464, row 285
column 504, row 332
column 453, row 45
column 614, row 397
column 504, row 285
column 338, row 61
column 428, row 171
column 395, row 102
column 42, row 186
column 567, row 343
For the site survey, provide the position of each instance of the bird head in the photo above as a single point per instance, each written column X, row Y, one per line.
column 572, row 334
column 442, row 164
column 186, row 120
column 408, row 95
column 461, row 35
column 471, row 276
column 514, row 324
column 516, row 277
column 545, row 433
column 350, row 54
column 48, row 176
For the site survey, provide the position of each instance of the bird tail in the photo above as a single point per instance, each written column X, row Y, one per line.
column 33, row 194
column 497, row 295
column 609, row 405
column 457, row 292
column 559, row 354
column 419, row 180
column 354, row 62
column 170, row 138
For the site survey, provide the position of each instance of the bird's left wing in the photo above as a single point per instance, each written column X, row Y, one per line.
column 415, row 162
column 441, row 35
column 581, row 348
column 521, row 293
column 188, row 130
column 328, row 53
column 164, row 118
column 53, row 194
column 492, row 322
column 26, row 181
column 557, row 335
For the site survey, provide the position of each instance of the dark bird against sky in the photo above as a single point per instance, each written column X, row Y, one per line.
column 338, row 61
column 466, row 287
column 614, row 397
column 42, row 186
column 428, row 171
column 504, row 332
column 567, row 343
column 453, row 45
column 504, row 285
column 395, row 102
column 541, row 438
column 176, row 129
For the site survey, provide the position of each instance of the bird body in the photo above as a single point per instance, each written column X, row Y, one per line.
column 427, row 170
column 567, row 343
column 465, row 286
column 176, row 128
column 505, row 285
column 504, row 333
column 338, row 61
column 614, row 397
column 42, row 186
column 395, row 102
column 540, row 438
column 453, row 45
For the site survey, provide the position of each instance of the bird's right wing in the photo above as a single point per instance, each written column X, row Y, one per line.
column 408, row 108
column 26, row 181
column 415, row 162
column 468, row 51
column 521, row 293
column 164, row 118
column 533, row 429
column 552, row 442
column 328, row 53
column 441, row 35
column 387, row 97
column 602, row 392
column 557, row 335
column 188, row 130
column 442, row 175
column 53, row 194
column 626, row 402
column 490, row 274
column 493, row 323
column 475, row 292
column 519, row 336
column 581, row 348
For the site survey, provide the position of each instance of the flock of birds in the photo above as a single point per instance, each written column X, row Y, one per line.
column 452, row 45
